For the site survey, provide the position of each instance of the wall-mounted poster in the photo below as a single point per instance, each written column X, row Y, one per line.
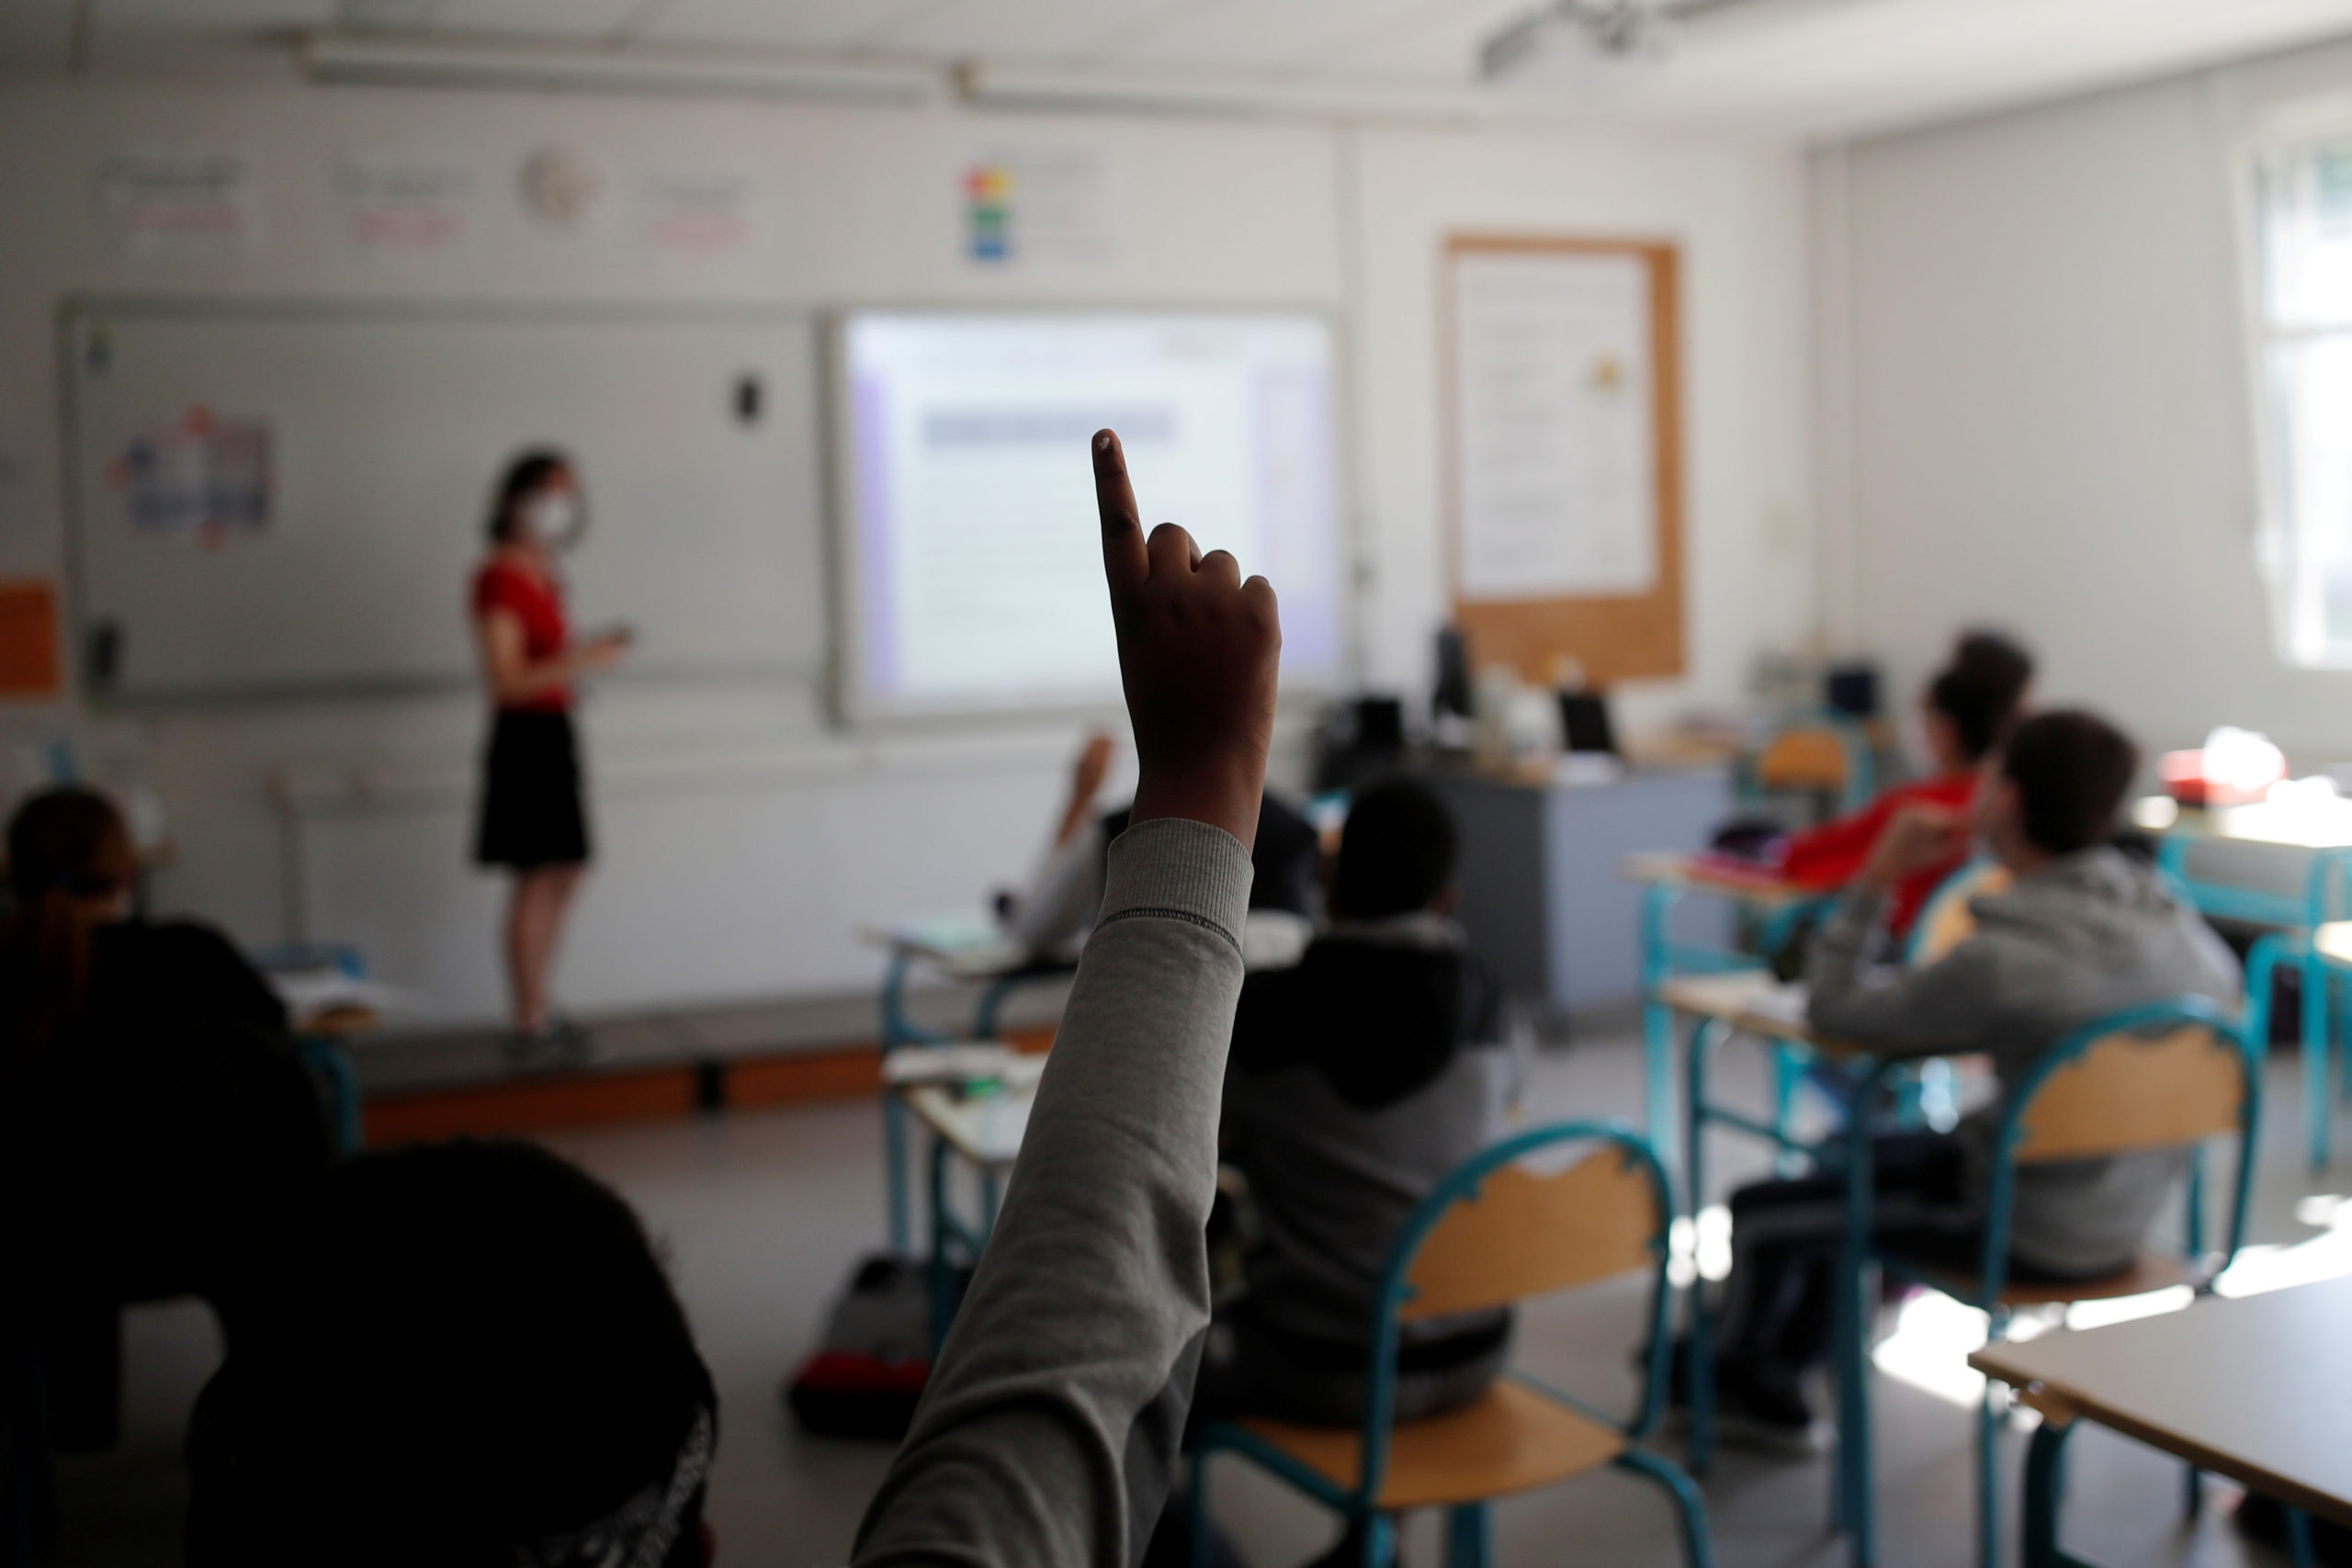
column 697, row 213
column 1565, row 452
column 197, row 475
column 398, row 205
column 180, row 204
column 1041, row 206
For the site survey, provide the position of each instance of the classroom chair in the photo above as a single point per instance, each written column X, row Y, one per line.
column 2167, row 1074
column 320, row 1045
column 1490, row 1234
column 1824, row 756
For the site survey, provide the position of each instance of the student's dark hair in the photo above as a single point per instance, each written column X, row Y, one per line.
column 471, row 1348
column 2072, row 770
column 1397, row 852
column 67, row 847
column 1979, row 690
column 526, row 474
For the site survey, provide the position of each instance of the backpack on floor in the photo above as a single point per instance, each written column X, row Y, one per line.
column 863, row 1381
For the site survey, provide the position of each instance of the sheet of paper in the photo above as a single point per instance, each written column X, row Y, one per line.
column 398, row 205
column 697, row 213
column 1553, row 409
column 180, row 203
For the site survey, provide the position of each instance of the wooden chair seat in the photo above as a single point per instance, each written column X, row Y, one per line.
column 1510, row 1440
column 2152, row 1271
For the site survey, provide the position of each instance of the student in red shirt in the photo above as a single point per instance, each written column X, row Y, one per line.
column 1967, row 709
column 531, row 819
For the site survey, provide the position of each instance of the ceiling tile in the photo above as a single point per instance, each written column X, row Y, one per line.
column 1309, row 36
column 576, row 20
column 778, row 23
column 1028, row 30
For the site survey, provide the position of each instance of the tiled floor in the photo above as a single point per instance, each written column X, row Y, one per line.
column 762, row 1212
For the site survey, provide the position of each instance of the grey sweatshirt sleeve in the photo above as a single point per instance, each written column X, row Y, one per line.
column 1048, row 1433
column 1949, row 1006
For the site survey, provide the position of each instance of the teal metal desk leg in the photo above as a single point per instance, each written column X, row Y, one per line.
column 2319, row 1104
column 1657, row 1025
column 2045, row 1485
column 1853, row 1504
column 1699, row 1357
column 894, row 1158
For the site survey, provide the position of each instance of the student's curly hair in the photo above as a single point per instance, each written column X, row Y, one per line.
column 2072, row 770
column 1979, row 690
column 1397, row 852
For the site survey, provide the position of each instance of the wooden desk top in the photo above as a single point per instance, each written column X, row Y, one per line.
column 985, row 1129
column 1700, row 874
column 2257, row 1389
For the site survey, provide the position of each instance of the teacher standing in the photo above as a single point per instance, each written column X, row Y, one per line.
column 533, row 820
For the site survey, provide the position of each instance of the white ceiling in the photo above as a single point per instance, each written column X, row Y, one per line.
column 1811, row 67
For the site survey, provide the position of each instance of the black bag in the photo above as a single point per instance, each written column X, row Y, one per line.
column 864, row 1380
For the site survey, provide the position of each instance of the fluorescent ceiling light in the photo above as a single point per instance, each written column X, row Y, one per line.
column 1093, row 89
column 440, row 61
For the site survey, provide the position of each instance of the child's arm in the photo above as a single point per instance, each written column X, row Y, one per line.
column 1048, row 1434
column 1947, row 1006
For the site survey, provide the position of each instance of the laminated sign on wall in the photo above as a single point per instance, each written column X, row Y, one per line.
column 192, row 204
column 197, row 475
column 1042, row 205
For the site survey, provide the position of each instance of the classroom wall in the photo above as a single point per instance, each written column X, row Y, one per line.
column 743, row 841
column 2034, row 406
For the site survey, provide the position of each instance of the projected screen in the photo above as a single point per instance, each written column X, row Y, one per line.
column 972, row 551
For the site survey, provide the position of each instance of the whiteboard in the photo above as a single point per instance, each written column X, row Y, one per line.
column 366, row 442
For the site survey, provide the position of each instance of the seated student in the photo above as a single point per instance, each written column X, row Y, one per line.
column 1357, row 1079
column 2083, row 930
column 1052, row 914
column 155, row 1126
column 469, row 1355
column 1966, row 709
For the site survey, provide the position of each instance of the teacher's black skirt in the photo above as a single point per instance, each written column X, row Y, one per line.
column 531, row 810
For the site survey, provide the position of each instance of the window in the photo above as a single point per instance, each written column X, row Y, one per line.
column 2303, row 251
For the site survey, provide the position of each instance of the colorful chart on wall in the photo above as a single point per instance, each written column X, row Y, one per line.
column 1564, row 453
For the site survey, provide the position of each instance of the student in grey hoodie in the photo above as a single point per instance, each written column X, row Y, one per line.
column 2083, row 930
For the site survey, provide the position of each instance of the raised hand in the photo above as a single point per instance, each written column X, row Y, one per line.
column 1197, row 654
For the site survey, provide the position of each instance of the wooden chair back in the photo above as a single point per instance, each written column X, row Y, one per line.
column 1947, row 920
column 1803, row 758
column 1522, row 1234
column 2129, row 1091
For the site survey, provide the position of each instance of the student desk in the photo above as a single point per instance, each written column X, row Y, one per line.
column 1664, row 879
column 2317, row 827
column 978, row 1114
column 1751, row 1002
column 958, row 949
column 2258, row 1389
column 1540, row 897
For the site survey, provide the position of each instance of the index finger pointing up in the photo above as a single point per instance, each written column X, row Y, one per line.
column 1125, row 563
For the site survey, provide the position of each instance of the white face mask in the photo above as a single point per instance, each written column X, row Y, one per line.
column 552, row 517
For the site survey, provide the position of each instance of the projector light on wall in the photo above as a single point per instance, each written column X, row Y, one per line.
column 1579, row 40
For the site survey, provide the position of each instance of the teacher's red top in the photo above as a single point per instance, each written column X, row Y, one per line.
column 538, row 602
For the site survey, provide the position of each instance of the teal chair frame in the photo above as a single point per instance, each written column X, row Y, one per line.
column 2326, row 896
column 1855, row 1501
column 1468, row 1526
